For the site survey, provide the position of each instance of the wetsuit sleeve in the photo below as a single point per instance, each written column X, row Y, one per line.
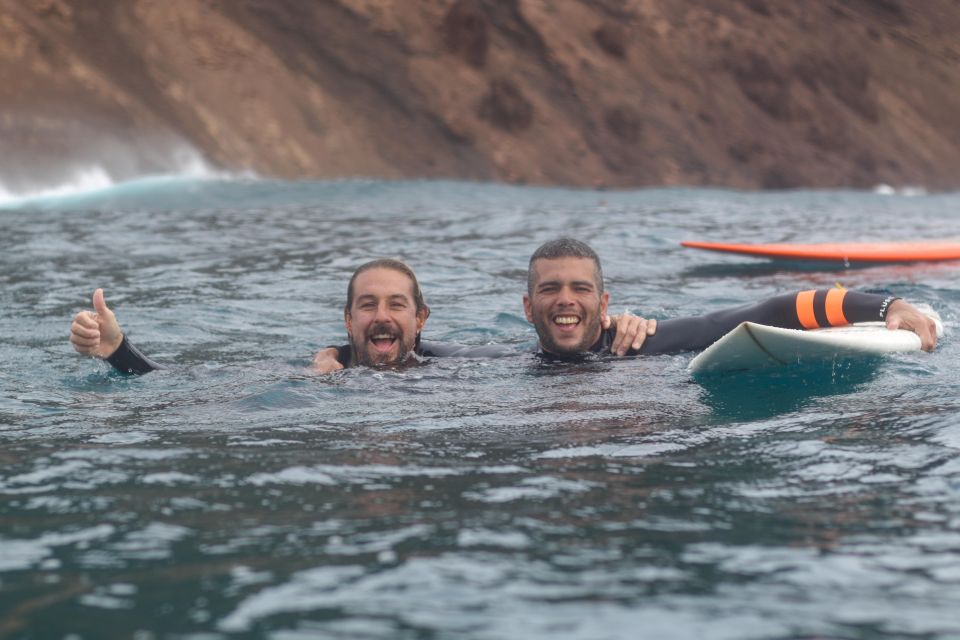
column 343, row 354
column 803, row 310
column 452, row 350
column 128, row 359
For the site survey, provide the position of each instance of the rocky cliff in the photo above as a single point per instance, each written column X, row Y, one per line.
column 742, row 93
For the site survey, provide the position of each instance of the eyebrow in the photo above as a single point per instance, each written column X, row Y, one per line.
column 557, row 283
column 392, row 298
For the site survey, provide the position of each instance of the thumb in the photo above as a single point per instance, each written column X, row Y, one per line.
column 100, row 305
column 606, row 322
column 893, row 324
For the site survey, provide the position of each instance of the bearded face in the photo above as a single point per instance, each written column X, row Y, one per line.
column 383, row 321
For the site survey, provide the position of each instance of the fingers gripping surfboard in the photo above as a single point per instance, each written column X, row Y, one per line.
column 880, row 252
column 756, row 346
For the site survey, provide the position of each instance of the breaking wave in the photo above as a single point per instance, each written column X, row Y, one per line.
column 96, row 180
column 908, row 191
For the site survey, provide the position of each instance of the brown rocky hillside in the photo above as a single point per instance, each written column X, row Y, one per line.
column 742, row 93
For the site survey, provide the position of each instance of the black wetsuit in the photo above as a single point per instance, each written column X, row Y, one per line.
column 803, row 310
column 128, row 359
column 430, row 349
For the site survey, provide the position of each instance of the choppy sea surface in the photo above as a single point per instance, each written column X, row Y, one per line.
column 237, row 495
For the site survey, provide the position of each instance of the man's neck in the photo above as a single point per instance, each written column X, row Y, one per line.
column 602, row 341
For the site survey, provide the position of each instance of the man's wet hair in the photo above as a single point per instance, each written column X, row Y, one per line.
column 564, row 248
column 394, row 265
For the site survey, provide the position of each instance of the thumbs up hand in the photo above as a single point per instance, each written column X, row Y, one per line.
column 96, row 333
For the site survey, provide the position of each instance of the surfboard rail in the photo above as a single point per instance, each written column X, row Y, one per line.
column 880, row 252
column 756, row 346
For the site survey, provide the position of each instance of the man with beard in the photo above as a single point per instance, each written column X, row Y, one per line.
column 385, row 305
column 565, row 299
column 384, row 315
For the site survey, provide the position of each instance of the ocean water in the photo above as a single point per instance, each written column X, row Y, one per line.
column 237, row 495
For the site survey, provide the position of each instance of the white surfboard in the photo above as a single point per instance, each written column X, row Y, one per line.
column 757, row 346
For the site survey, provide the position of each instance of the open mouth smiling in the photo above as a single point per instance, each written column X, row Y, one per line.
column 383, row 341
column 566, row 321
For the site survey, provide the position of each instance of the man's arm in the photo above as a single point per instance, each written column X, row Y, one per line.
column 631, row 331
column 335, row 358
column 97, row 333
column 803, row 310
column 431, row 349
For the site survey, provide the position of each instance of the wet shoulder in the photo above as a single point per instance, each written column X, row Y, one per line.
column 433, row 349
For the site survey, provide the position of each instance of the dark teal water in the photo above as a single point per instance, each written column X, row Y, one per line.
column 237, row 495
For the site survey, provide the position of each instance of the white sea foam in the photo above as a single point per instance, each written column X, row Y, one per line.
column 183, row 163
column 489, row 538
column 539, row 488
column 909, row 191
column 84, row 180
column 169, row 478
column 615, row 450
column 22, row 554
column 334, row 474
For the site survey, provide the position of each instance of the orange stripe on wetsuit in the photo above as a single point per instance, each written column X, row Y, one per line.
column 805, row 314
column 827, row 305
column 834, row 306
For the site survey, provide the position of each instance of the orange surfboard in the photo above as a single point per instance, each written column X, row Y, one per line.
column 917, row 251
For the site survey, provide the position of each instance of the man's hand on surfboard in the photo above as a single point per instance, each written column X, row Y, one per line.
column 96, row 333
column 903, row 315
column 631, row 331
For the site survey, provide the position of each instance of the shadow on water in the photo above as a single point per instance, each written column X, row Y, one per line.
column 752, row 269
column 886, row 270
column 757, row 395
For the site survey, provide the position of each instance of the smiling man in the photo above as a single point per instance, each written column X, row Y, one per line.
column 384, row 315
column 385, row 312
column 565, row 299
